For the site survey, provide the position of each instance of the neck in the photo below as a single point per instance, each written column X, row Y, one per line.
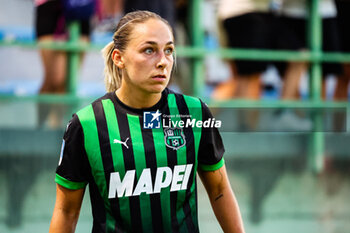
column 136, row 99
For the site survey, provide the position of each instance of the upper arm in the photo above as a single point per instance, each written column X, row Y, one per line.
column 69, row 201
column 211, row 148
column 214, row 181
column 73, row 171
column 67, row 209
column 211, row 167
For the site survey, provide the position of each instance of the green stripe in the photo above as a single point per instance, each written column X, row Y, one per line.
column 161, row 157
column 212, row 167
column 117, row 156
column 195, row 110
column 140, row 164
column 69, row 184
column 92, row 147
column 181, row 160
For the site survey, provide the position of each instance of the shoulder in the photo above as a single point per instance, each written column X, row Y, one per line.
column 190, row 101
column 73, row 129
column 92, row 110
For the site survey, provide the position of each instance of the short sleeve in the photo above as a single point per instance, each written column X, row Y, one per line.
column 211, row 148
column 72, row 170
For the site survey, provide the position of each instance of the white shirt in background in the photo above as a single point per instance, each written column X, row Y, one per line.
column 232, row 8
column 298, row 8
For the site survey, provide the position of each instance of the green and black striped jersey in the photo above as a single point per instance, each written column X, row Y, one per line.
column 139, row 163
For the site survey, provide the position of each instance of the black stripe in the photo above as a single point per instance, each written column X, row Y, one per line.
column 190, row 158
column 151, row 162
column 107, row 159
column 196, row 201
column 172, row 161
column 98, row 209
column 129, row 163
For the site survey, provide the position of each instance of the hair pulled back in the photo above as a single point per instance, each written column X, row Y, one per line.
column 121, row 37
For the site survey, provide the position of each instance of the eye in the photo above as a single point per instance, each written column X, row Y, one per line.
column 169, row 51
column 148, row 50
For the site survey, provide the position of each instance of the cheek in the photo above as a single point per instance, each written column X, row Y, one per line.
column 170, row 59
column 171, row 64
column 142, row 62
column 144, row 67
column 136, row 65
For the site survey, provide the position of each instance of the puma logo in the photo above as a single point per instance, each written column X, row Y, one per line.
column 121, row 142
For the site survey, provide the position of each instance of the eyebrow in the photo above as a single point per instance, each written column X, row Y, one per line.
column 154, row 43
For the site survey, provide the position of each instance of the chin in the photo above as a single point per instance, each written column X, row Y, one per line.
column 156, row 89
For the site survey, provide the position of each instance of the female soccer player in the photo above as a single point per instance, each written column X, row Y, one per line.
column 140, row 146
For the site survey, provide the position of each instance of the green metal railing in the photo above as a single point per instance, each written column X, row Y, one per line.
column 197, row 52
column 317, row 142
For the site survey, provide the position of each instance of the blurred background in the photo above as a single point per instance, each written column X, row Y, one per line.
column 276, row 72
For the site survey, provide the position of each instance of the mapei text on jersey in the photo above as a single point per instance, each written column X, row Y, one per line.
column 209, row 123
column 177, row 179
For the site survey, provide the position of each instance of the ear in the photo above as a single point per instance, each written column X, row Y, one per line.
column 118, row 58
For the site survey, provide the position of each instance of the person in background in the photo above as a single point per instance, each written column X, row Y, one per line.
column 343, row 19
column 166, row 9
column 341, row 92
column 294, row 15
column 141, row 172
column 50, row 26
column 109, row 13
column 251, row 24
column 245, row 24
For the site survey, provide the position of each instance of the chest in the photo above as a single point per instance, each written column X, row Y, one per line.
column 132, row 147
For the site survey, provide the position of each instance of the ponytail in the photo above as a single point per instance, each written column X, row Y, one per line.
column 112, row 74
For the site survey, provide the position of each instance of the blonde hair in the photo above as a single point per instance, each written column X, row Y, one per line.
column 121, row 37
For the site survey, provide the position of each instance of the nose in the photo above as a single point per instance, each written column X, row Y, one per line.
column 162, row 62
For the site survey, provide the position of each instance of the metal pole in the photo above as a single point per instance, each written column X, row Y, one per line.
column 197, row 40
column 317, row 144
column 73, row 58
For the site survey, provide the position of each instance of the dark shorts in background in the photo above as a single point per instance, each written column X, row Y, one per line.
column 330, row 39
column 248, row 31
column 50, row 20
column 268, row 31
column 343, row 8
column 164, row 8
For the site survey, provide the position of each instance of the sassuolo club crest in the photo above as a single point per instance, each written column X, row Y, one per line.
column 174, row 138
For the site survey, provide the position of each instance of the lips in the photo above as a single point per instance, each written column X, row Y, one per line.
column 159, row 76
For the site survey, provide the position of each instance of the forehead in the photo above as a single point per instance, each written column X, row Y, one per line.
column 151, row 30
